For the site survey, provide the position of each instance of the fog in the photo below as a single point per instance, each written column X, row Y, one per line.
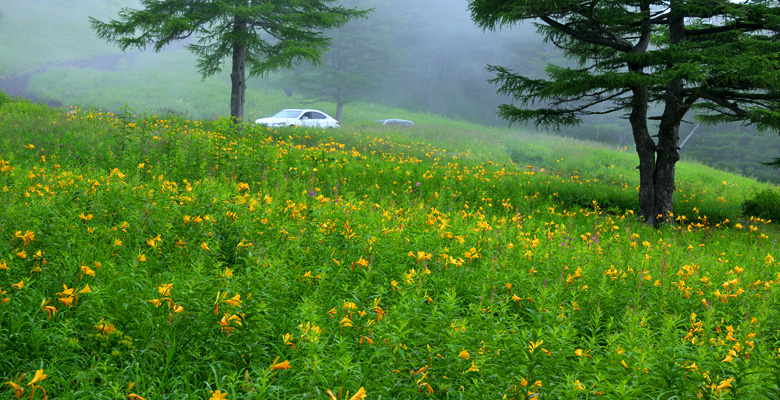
column 420, row 56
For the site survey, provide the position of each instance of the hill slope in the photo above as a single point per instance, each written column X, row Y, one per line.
column 168, row 258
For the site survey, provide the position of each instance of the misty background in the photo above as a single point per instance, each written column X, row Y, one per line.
column 409, row 57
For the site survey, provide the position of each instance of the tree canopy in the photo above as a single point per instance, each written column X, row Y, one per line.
column 716, row 58
column 265, row 35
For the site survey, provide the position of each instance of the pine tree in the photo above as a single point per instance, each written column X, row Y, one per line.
column 264, row 36
column 716, row 57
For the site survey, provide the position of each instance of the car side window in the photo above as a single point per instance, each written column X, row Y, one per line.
column 307, row 116
column 316, row 115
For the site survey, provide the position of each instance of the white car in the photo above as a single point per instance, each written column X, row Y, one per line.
column 300, row 117
column 395, row 122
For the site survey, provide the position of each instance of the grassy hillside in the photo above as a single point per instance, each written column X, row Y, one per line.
column 165, row 258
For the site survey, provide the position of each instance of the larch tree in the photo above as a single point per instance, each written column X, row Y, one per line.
column 717, row 59
column 258, row 36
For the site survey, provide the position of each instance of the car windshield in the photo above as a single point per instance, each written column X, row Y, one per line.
column 287, row 114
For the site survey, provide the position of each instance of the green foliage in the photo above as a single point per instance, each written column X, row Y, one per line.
column 170, row 258
column 765, row 204
column 4, row 98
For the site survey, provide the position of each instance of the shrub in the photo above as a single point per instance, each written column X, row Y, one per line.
column 765, row 204
column 4, row 98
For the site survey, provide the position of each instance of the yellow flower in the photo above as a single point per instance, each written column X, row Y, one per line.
column 141, row 258
column 28, row 236
column 165, row 289
column 153, row 241
column 473, row 368
column 205, row 246
column 464, row 354
column 39, row 376
column 86, row 289
column 134, row 396
column 66, row 291
column 68, row 300
column 22, row 254
column 104, row 327
column 218, row 395
column 18, row 390
column 86, row 217
column 359, row 395
column 234, row 301
column 280, row 366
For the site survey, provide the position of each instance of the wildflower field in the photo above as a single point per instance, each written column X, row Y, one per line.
column 149, row 257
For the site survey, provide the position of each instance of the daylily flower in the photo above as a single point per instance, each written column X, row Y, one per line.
column 359, row 395
column 39, row 376
column 225, row 322
column 134, row 396
column 50, row 310
column 464, row 354
column 18, row 390
column 234, row 301
column 66, row 292
column 165, row 289
column 67, row 300
column 280, row 366
column 218, row 395
column 205, row 246
column 104, row 327
column 28, row 236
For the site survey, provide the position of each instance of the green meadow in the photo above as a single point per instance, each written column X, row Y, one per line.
column 152, row 256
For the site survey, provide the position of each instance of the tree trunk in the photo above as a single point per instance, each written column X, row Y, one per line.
column 339, row 102
column 238, row 74
column 645, row 149
column 669, row 135
column 645, row 146
column 339, row 109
